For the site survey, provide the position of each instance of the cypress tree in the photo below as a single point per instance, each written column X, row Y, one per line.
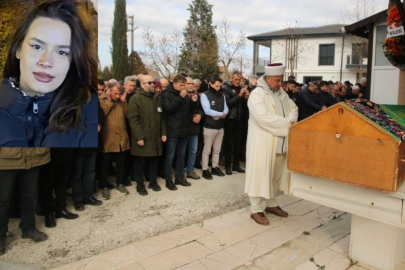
column 119, row 50
column 199, row 54
column 136, row 65
column 106, row 74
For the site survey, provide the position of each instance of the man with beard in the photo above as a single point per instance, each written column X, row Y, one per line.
column 271, row 114
column 215, row 109
column 148, row 131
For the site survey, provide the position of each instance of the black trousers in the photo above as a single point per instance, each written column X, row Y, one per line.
column 244, row 141
column 84, row 172
column 55, row 175
column 105, row 160
column 199, row 149
column 162, row 160
column 28, row 183
column 129, row 165
column 151, row 170
column 234, row 130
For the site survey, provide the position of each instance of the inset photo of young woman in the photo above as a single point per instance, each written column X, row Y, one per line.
column 48, row 93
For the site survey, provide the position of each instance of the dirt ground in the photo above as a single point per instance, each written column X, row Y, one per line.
column 125, row 219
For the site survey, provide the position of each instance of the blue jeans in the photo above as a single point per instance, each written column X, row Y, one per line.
column 192, row 152
column 175, row 147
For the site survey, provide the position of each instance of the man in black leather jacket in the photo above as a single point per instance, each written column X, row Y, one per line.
column 236, row 99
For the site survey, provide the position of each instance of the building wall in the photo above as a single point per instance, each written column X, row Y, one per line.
column 308, row 59
column 387, row 84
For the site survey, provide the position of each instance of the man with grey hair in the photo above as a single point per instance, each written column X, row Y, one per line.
column 130, row 88
column 130, row 84
column 195, row 130
column 196, row 84
column 252, row 83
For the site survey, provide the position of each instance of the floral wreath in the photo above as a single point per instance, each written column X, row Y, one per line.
column 394, row 46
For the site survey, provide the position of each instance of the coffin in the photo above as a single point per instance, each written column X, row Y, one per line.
column 341, row 144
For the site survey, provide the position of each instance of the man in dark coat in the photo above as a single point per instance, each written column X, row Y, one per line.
column 148, row 131
column 235, row 124
column 194, row 131
column 309, row 102
column 326, row 98
column 179, row 109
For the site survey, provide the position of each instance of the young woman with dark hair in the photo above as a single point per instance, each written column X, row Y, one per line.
column 48, row 95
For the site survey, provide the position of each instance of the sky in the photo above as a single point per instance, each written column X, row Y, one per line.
column 254, row 17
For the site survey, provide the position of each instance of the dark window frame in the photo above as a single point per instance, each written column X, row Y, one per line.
column 333, row 56
column 306, row 80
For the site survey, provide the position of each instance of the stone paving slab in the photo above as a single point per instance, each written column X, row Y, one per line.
column 234, row 241
column 14, row 266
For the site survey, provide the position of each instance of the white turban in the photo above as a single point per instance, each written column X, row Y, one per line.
column 274, row 69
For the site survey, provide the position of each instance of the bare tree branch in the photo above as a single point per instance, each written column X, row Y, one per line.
column 231, row 48
column 162, row 55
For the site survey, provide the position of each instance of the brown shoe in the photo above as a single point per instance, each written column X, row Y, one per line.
column 260, row 218
column 276, row 211
column 193, row 175
column 184, row 179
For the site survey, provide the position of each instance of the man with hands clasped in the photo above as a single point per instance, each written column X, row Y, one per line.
column 215, row 109
column 271, row 113
column 114, row 137
column 195, row 130
column 148, row 131
column 179, row 108
column 236, row 99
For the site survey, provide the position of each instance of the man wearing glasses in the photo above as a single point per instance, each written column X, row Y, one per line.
column 148, row 131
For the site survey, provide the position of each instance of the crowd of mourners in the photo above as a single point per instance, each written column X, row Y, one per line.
column 148, row 127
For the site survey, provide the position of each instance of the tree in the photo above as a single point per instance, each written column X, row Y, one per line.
column 231, row 49
column 135, row 64
column 119, row 50
column 357, row 11
column 162, row 54
column 199, row 54
column 106, row 74
column 293, row 49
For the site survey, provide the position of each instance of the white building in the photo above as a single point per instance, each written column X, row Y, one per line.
column 386, row 82
column 315, row 53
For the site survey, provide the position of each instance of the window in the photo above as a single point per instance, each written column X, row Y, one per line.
column 308, row 79
column 357, row 49
column 327, row 54
column 381, row 35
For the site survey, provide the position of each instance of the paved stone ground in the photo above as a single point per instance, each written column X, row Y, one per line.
column 233, row 240
column 125, row 219
column 206, row 226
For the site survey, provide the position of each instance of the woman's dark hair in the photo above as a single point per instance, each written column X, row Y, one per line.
column 81, row 78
